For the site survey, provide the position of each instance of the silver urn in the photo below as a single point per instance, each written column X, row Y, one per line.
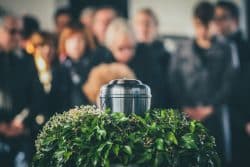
column 125, row 95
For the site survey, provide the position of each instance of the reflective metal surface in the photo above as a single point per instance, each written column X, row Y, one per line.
column 125, row 95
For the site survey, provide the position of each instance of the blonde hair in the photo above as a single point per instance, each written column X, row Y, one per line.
column 118, row 26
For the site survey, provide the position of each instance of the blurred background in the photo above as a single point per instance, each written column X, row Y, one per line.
column 56, row 54
column 172, row 20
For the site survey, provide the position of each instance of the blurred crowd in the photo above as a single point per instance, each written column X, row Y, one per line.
column 43, row 73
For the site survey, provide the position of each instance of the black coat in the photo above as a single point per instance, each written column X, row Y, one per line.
column 243, row 49
column 201, row 77
column 77, row 74
column 149, row 64
column 19, row 86
column 239, row 102
column 162, row 56
column 19, row 90
column 58, row 99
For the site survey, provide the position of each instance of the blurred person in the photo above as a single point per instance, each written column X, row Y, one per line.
column 227, row 19
column 146, row 24
column 200, row 74
column 29, row 26
column 87, row 16
column 18, row 96
column 86, row 19
column 101, row 19
column 120, row 40
column 73, row 43
column 101, row 75
column 227, row 23
column 62, row 18
column 120, row 46
column 51, row 75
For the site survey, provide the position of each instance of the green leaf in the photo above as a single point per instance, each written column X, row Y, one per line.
column 67, row 155
column 146, row 156
column 127, row 149
column 116, row 149
column 188, row 141
column 101, row 147
column 108, row 111
column 105, row 156
column 159, row 144
column 101, row 133
column 171, row 138
column 192, row 126
column 163, row 114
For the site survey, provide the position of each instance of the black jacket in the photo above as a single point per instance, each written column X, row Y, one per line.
column 19, row 86
column 243, row 49
column 159, row 52
column 77, row 73
column 201, row 77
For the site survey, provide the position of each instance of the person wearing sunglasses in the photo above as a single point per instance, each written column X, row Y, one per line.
column 18, row 99
column 9, row 33
column 227, row 25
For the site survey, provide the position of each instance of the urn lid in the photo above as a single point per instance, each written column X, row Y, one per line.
column 121, row 88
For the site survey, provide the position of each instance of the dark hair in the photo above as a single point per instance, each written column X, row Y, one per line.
column 204, row 11
column 30, row 25
column 48, row 38
column 105, row 7
column 62, row 11
column 230, row 7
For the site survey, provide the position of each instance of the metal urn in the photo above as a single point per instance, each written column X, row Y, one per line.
column 125, row 95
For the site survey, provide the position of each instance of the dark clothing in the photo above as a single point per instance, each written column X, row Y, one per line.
column 77, row 73
column 239, row 101
column 101, row 55
column 19, row 85
column 19, row 91
column 148, row 65
column 58, row 97
column 158, row 51
column 201, row 76
column 243, row 49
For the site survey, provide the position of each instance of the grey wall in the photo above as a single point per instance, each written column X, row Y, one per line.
column 175, row 15
column 42, row 9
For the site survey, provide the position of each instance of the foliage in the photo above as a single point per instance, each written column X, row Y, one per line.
column 87, row 137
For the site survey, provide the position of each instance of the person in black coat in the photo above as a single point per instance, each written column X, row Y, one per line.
column 52, row 76
column 201, row 72
column 73, row 45
column 19, row 96
column 227, row 21
column 227, row 25
column 145, row 24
